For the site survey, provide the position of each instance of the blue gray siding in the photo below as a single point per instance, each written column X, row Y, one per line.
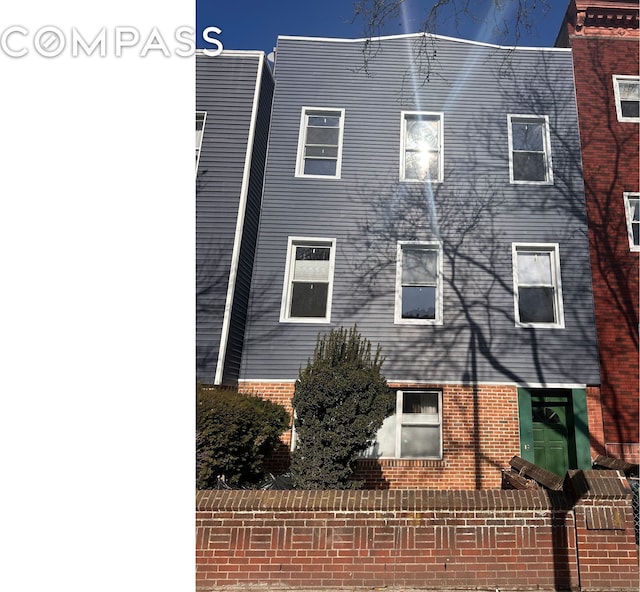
column 476, row 212
column 226, row 88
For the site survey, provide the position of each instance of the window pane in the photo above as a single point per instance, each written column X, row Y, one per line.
column 630, row 108
column 529, row 166
column 635, row 209
column 423, row 403
column 309, row 299
column 312, row 263
column 321, row 151
column 320, row 167
column 385, row 444
column 419, row 266
column 329, row 120
column 421, row 165
column 536, row 305
column 418, row 302
column 311, row 270
column 527, row 136
column 421, row 134
column 313, row 253
column 323, row 135
column 629, row 91
column 534, row 268
column 420, row 441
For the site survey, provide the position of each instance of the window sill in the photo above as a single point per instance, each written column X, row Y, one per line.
column 417, row 181
column 334, row 177
column 540, row 325
column 404, row 462
column 518, row 182
column 417, row 322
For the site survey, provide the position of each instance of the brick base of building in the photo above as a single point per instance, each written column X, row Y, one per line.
column 480, row 434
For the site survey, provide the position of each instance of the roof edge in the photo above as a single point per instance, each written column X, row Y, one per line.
column 418, row 35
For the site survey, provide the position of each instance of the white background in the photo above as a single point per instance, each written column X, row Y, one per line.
column 97, row 293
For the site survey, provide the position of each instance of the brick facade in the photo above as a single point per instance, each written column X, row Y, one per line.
column 604, row 38
column 507, row 540
column 480, row 436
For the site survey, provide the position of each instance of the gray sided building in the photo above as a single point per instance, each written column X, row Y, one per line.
column 233, row 104
column 430, row 190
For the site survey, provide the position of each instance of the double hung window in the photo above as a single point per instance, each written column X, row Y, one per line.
column 529, row 148
column 538, row 292
column 626, row 90
column 320, row 143
column 419, row 283
column 414, row 430
column 308, row 280
column 632, row 209
column 200, row 119
column 421, row 147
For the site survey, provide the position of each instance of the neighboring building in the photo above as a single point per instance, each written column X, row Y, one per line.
column 604, row 38
column 233, row 105
column 435, row 200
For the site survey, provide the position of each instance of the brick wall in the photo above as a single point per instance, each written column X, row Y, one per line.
column 510, row 540
column 610, row 162
column 479, row 431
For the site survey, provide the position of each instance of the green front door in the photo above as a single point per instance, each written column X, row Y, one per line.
column 550, row 435
column 554, row 432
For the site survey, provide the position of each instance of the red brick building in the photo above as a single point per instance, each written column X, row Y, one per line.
column 604, row 38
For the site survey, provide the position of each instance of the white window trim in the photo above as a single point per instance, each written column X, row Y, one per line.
column 616, row 92
column 434, row 114
column 302, row 135
column 288, row 272
column 629, row 195
column 547, row 147
column 398, row 419
column 199, row 147
column 554, row 249
column 435, row 246
column 400, row 423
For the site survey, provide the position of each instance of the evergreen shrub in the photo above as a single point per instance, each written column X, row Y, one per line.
column 341, row 399
column 234, row 433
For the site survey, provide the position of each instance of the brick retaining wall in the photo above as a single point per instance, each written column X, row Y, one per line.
column 510, row 540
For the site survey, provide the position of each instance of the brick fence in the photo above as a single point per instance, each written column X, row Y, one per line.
column 579, row 539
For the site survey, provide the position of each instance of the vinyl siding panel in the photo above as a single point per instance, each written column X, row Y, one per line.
column 225, row 89
column 476, row 211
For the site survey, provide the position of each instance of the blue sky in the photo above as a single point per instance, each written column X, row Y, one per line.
column 252, row 24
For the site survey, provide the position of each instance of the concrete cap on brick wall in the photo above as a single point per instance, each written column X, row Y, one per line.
column 593, row 484
column 378, row 500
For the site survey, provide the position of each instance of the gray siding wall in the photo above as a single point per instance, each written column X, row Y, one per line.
column 476, row 212
column 225, row 89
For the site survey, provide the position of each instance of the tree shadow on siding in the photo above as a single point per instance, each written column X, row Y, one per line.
column 477, row 214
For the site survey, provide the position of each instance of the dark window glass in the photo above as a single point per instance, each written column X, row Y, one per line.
column 423, row 403
column 527, row 137
column 320, row 167
column 309, row 299
column 529, row 166
column 536, row 305
column 630, row 108
column 418, row 302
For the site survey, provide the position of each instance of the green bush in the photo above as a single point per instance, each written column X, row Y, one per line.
column 341, row 400
column 234, row 432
